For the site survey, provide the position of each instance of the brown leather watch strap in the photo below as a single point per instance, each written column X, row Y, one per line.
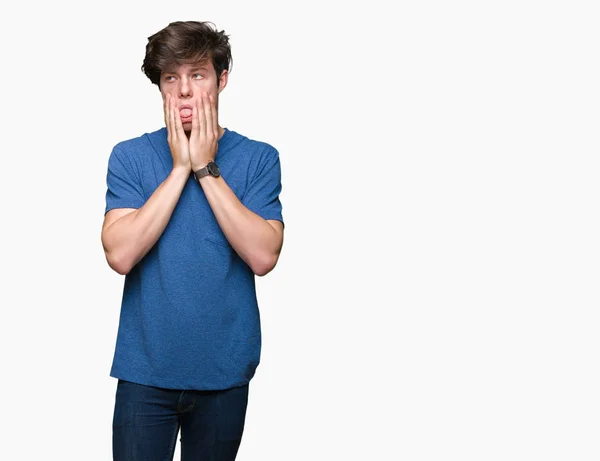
column 201, row 173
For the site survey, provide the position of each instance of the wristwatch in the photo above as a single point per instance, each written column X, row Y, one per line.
column 211, row 169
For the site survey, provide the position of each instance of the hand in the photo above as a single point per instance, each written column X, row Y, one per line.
column 178, row 141
column 205, row 132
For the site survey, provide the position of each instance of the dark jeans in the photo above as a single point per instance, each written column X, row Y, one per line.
column 147, row 420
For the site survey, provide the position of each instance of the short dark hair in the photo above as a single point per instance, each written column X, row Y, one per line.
column 186, row 42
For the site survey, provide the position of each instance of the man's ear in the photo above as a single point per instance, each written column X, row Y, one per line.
column 223, row 80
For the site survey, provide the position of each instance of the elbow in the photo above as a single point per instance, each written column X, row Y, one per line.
column 118, row 254
column 262, row 266
column 261, row 271
column 118, row 263
column 121, row 270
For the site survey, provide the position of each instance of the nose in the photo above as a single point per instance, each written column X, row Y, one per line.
column 185, row 89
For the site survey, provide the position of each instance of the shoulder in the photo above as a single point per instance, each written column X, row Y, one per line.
column 256, row 151
column 139, row 146
column 142, row 142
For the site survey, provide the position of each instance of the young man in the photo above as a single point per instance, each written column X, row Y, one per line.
column 192, row 215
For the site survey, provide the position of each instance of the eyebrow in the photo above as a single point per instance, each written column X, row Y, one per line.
column 198, row 67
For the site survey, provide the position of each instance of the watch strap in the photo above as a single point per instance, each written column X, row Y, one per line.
column 201, row 173
column 211, row 169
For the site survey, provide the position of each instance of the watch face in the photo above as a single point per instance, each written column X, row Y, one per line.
column 214, row 169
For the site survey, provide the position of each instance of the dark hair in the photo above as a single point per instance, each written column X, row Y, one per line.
column 185, row 43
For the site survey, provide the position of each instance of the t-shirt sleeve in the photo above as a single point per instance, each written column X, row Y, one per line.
column 262, row 195
column 123, row 186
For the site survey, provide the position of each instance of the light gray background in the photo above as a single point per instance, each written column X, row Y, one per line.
column 437, row 294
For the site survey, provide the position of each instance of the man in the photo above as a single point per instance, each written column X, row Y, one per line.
column 192, row 215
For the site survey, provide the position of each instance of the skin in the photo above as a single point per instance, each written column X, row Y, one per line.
column 128, row 234
column 194, row 141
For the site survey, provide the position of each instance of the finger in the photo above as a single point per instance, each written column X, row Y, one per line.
column 178, row 123
column 175, row 122
column 201, row 118
column 165, row 111
column 195, row 123
column 208, row 114
column 168, row 116
column 215, row 116
column 172, row 130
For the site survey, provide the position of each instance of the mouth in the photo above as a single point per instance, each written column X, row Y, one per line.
column 185, row 112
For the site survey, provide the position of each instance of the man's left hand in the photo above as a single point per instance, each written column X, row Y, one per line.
column 205, row 132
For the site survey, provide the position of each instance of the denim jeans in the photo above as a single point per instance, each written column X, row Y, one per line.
column 147, row 420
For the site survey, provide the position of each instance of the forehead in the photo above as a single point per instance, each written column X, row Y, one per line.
column 175, row 68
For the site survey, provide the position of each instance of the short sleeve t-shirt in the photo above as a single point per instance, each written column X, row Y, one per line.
column 189, row 314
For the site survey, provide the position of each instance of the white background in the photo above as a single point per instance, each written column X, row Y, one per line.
column 437, row 294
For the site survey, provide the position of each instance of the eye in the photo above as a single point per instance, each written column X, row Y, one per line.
column 168, row 78
column 198, row 76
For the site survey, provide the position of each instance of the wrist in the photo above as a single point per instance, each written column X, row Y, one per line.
column 211, row 169
column 180, row 172
column 199, row 166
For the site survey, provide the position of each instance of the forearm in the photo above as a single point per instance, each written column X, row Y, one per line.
column 127, row 240
column 253, row 238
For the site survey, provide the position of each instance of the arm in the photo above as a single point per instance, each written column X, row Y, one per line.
column 256, row 240
column 128, row 234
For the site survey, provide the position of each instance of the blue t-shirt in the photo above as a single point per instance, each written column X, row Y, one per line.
column 189, row 314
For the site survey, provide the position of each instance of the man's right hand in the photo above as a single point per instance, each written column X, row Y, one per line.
column 178, row 141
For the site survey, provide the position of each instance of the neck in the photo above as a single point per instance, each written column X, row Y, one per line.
column 221, row 132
